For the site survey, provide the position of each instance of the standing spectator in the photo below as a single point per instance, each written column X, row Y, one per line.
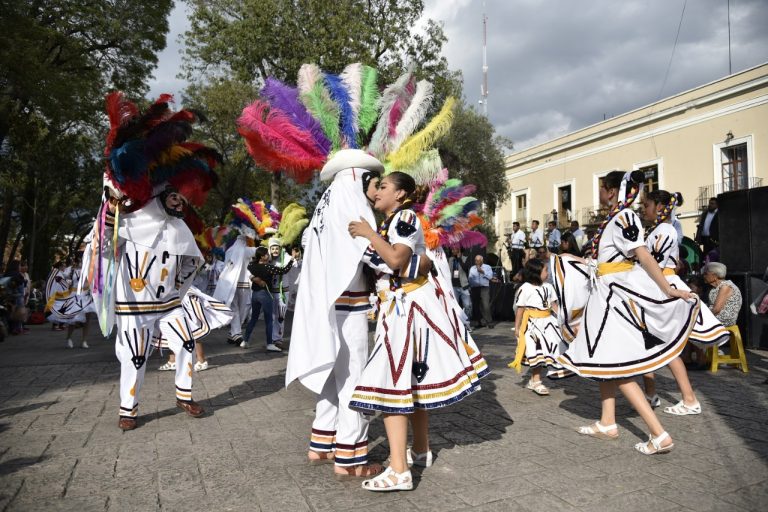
column 579, row 235
column 24, row 269
column 569, row 244
column 459, row 265
column 480, row 277
column 537, row 236
column 553, row 237
column 516, row 248
column 708, row 230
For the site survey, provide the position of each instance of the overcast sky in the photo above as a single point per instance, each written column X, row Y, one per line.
column 559, row 65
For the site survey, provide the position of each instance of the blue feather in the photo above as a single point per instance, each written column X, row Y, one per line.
column 340, row 95
column 128, row 161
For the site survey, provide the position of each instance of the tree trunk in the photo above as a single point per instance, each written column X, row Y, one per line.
column 275, row 188
column 5, row 223
column 12, row 254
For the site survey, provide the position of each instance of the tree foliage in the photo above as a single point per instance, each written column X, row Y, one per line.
column 58, row 58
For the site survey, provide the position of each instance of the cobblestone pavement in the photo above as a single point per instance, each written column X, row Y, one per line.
column 501, row 449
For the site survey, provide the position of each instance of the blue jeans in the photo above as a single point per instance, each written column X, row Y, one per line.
column 463, row 298
column 261, row 300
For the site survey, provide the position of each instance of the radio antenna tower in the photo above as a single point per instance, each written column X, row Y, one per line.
column 484, row 85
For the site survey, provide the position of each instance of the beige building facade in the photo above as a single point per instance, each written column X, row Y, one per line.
column 708, row 140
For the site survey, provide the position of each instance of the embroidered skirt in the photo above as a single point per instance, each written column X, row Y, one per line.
column 423, row 357
column 629, row 328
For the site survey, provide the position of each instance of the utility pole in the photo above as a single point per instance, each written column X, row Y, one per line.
column 484, row 85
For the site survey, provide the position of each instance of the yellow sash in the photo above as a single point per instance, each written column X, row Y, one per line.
column 604, row 269
column 407, row 288
column 520, row 352
column 668, row 271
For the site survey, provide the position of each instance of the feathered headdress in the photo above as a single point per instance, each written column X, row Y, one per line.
column 259, row 216
column 146, row 151
column 296, row 130
column 213, row 240
column 293, row 221
column 449, row 213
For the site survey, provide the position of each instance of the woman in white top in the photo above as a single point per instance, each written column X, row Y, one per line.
column 421, row 358
column 634, row 321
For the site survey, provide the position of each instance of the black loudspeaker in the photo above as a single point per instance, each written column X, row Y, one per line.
column 733, row 213
column 758, row 222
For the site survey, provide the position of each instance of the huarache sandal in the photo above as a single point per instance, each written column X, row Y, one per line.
column 537, row 387
column 680, row 409
column 322, row 458
column 653, row 446
column 599, row 431
column 355, row 472
column 423, row 460
column 167, row 366
column 389, row 480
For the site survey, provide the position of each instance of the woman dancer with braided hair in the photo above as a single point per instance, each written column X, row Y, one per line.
column 662, row 242
column 634, row 321
column 434, row 364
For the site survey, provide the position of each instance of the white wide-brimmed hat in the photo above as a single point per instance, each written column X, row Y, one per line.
column 348, row 159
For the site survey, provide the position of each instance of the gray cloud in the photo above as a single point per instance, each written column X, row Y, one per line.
column 556, row 66
column 559, row 65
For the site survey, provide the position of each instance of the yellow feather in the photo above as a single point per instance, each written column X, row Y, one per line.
column 412, row 149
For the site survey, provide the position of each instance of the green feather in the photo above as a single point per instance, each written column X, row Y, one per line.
column 455, row 209
column 319, row 103
column 369, row 99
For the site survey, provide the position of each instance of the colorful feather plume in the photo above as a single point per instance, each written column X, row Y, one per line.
column 316, row 97
column 391, row 100
column 449, row 213
column 294, row 220
column 277, row 144
column 260, row 216
column 413, row 116
column 286, row 98
column 347, row 117
column 411, row 150
column 352, row 78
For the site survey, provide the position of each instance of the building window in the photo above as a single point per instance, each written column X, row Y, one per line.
column 651, row 173
column 521, row 208
column 564, row 206
column 734, row 167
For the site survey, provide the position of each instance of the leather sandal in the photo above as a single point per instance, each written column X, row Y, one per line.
column 655, row 447
column 680, row 409
column 599, row 431
column 191, row 407
column 127, row 423
column 389, row 480
column 323, row 458
column 353, row 473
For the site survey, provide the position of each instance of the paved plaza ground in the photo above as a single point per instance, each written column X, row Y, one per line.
column 502, row 449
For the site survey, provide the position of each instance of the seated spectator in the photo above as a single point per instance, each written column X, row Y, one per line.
column 724, row 296
column 569, row 244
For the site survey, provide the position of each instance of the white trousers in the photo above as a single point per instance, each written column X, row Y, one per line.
column 241, row 307
column 133, row 347
column 279, row 309
column 337, row 428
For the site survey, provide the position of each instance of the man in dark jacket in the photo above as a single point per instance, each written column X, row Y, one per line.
column 708, row 231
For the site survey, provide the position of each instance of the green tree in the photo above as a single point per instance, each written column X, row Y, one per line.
column 473, row 152
column 58, row 58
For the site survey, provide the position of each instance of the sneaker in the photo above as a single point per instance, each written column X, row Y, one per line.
column 168, row 366
column 201, row 365
column 84, row 345
column 70, row 344
column 234, row 340
column 654, row 400
column 244, row 344
column 273, row 348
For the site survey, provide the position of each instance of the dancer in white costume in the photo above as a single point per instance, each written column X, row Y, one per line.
column 329, row 341
column 143, row 261
column 234, row 285
column 70, row 306
column 419, row 361
column 634, row 321
column 280, row 287
column 663, row 244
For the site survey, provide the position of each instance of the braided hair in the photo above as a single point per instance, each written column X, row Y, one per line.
column 614, row 179
column 670, row 201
